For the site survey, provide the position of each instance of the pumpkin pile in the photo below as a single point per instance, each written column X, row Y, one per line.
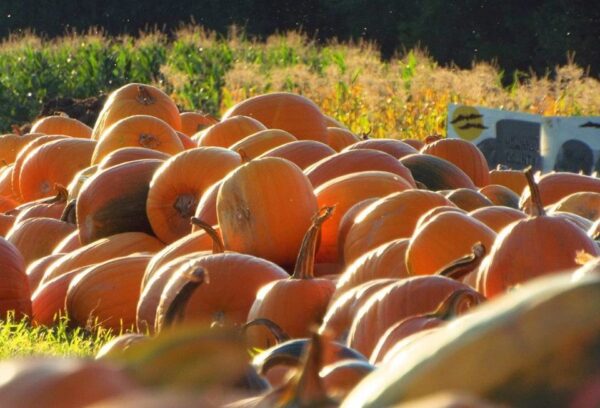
column 274, row 258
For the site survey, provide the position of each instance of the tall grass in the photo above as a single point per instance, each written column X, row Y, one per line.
column 405, row 96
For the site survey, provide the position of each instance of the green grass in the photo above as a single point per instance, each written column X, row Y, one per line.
column 19, row 338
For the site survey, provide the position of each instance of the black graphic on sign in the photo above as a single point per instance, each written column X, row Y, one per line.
column 574, row 156
column 518, row 144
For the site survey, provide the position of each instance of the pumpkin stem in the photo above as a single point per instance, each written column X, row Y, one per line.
column 62, row 194
column 243, row 155
column 16, row 130
column 421, row 186
column 307, row 384
column 450, row 307
column 276, row 330
column 305, row 263
column 537, row 208
column 461, row 267
column 218, row 245
column 60, row 114
column 144, row 96
column 176, row 309
column 69, row 213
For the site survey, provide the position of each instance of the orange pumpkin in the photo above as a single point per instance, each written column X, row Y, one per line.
column 435, row 211
column 79, row 180
column 108, row 292
column 551, row 245
column 500, row 195
column 385, row 261
column 37, row 237
column 52, row 163
column 114, row 200
column 264, row 207
column 353, row 161
column 302, row 153
column 585, row 204
column 451, row 235
column 103, row 249
column 11, row 144
column 281, row 110
column 35, row 271
column 463, row 154
column 497, row 217
column 389, row 218
column 50, row 207
column 137, row 131
column 179, row 183
column 194, row 122
column 392, row 147
column 297, row 303
column 254, row 145
column 6, row 191
column 6, row 223
column 70, row 243
column 62, row 125
column 468, row 199
column 340, row 138
column 513, row 179
column 395, row 302
column 345, row 191
column 436, row 173
column 207, row 207
column 186, row 141
column 416, row 143
column 555, row 186
column 127, row 154
column 228, row 131
column 347, row 222
column 136, row 99
column 20, row 159
column 14, row 285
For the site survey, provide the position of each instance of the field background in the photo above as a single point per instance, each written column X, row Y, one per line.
column 405, row 96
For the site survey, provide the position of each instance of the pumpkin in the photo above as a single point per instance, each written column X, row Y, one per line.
column 468, row 199
column 416, row 143
column 136, row 99
column 500, row 195
column 14, row 286
column 6, row 190
column 556, row 239
column 453, row 306
column 347, row 222
column 69, row 243
column 343, row 309
column 51, row 163
column 555, row 186
column 341, row 377
column 79, row 179
column 61, row 124
column 20, row 159
column 114, row 200
column 585, row 204
column 340, row 138
column 302, row 153
column 385, row 261
column 389, row 218
column 463, row 154
column 137, row 131
column 36, row 269
column 228, row 131
column 345, row 191
column 330, row 121
column 207, row 206
column 287, row 111
column 37, row 237
column 178, row 184
column 436, row 173
column 49, row 382
column 395, row 302
column 264, row 207
column 6, row 223
column 513, row 179
column 233, row 282
column 186, row 141
column 452, row 235
column 103, row 249
column 497, row 217
column 392, row 147
column 50, row 207
column 435, row 211
column 107, row 292
column 194, row 122
column 354, row 161
column 127, row 154
column 295, row 304
column 48, row 299
column 262, row 141
column 11, row 145
column 548, row 316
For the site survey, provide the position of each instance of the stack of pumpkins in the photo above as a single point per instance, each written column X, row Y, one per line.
column 280, row 221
